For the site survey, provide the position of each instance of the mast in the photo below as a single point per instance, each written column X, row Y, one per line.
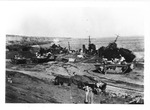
column 89, row 40
column 116, row 38
column 68, row 46
column 89, row 48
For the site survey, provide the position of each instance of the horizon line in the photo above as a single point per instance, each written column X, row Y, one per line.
column 70, row 37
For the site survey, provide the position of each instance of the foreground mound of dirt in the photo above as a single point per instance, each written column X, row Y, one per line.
column 23, row 88
column 28, row 89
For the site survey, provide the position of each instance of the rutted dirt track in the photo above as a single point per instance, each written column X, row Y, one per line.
column 34, row 84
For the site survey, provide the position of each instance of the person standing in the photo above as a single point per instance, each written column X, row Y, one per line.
column 88, row 95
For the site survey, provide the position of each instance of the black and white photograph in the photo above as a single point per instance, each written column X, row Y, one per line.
column 75, row 54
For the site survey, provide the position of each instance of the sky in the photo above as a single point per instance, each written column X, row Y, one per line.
column 96, row 20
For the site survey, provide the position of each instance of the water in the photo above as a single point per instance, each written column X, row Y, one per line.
column 135, row 44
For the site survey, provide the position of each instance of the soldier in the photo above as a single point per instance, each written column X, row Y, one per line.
column 88, row 95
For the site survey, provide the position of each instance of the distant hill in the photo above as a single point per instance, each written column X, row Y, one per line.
column 19, row 38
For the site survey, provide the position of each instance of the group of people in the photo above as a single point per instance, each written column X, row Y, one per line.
column 121, row 60
column 45, row 55
column 89, row 91
column 19, row 57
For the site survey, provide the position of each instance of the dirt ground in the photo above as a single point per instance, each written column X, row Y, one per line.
column 33, row 83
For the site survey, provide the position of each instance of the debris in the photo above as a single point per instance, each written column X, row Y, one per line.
column 80, row 56
column 112, row 52
column 71, row 60
column 9, row 80
column 137, row 100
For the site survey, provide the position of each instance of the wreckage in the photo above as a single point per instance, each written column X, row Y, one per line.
column 39, row 54
column 18, row 59
column 81, row 82
column 44, row 58
column 114, row 57
column 37, row 58
column 112, row 51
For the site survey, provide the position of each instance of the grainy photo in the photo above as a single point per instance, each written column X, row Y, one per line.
column 75, row 55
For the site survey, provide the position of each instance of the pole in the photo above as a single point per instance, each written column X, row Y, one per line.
column 89, row 43
column 69, row 46
column 89, row 40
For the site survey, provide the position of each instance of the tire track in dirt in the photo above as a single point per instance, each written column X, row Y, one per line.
column 112, row 82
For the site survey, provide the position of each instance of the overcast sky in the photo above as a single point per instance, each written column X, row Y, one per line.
column 77, row 21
